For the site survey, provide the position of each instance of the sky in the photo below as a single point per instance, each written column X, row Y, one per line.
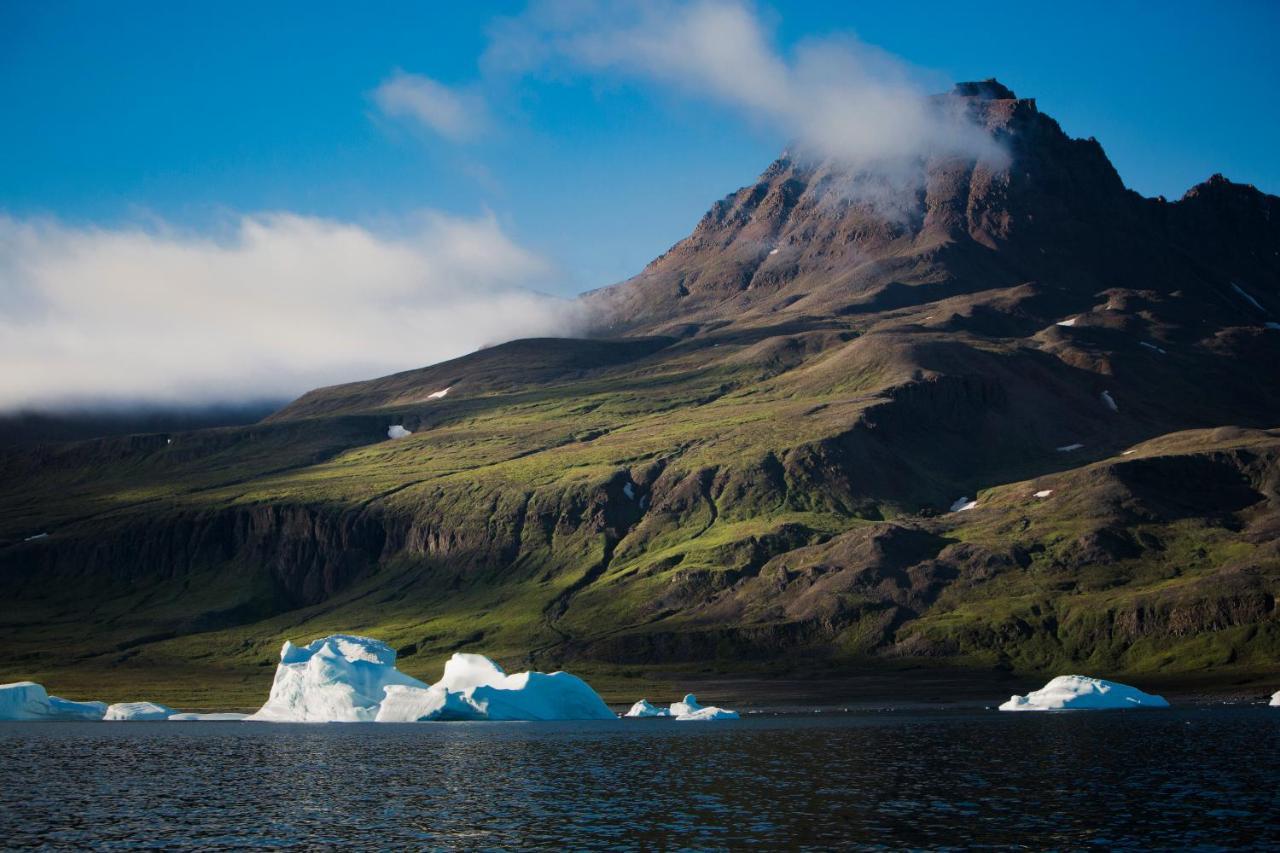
column 202, row 200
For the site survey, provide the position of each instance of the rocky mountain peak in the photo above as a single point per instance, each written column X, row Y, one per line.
column 990, row 89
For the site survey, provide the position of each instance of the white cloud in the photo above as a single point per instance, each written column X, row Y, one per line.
column 284, row 303
column 838, row 96
column 454, row 113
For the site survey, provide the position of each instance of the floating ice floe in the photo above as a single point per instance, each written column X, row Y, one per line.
column 1275, row 699
column 1070, row 322
column 438, row 395
column 341, row 678
column 1152, row 347
column 1109, row 401
column 963, row 503
column 1067, row 448
column 688, row 709
column 122, row 711
column 644, row 708
column 1238, row 289
column 37, row 536
column 398, row 431
column 1080, row 693
column 26, row 700
column 1044, row 493
column 226, row 716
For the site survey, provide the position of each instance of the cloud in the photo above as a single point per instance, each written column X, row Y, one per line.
column 454, row 113
column 836, row 96
column 281, row 304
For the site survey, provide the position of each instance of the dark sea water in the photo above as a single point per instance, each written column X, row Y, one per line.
column 1186, row 778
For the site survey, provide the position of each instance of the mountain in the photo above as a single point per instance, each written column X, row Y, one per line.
column 754, row 465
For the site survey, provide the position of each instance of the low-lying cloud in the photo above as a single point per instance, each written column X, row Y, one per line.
column 280, row 304
column 835, row 96
column 458, row 114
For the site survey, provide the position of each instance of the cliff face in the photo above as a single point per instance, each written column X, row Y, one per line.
column 757, row 465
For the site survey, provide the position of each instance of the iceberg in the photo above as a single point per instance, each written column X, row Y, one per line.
column 1275, row 699
column 475, row 688
column 218, row 717
column 688, row 709
column 1080, row 693
column 26, row 700
column 340, row 679
column 644, row 709
column 138, row 711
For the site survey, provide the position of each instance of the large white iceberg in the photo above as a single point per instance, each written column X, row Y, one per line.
column 26, row 700
column 138, row 711
column 690, row 709
column 1080, row 693
column 475, row 688
column 644, row 709
column 335, row 679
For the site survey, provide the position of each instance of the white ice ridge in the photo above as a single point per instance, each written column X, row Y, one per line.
column 475, row 688
column 1070, row 322
column 1080, row 693
column 340, row 678
column 217, row 717
column 398, row 431
column 963, row 503
column 644, row 708
column 688, row 709
column 1109, row 401
column 438, row 395
column 26, row 700
column 1275, row 699
column 138, row 711
column 1067, row 448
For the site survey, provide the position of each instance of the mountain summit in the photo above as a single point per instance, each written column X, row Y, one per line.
column 992, row 411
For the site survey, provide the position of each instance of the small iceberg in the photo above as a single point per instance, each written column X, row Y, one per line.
column 340, row 679
column 26, row 700
column 225, row 716
column 398, row 431
column 688, row 709
column 644, row 708
column 138, row 711
column 1080, row 693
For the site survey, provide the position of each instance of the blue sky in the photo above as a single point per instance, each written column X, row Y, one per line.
column 120, row 112
column 207, row 201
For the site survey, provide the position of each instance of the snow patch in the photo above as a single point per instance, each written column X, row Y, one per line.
column 1238, row 289
column 398, row 431
column 224, row 716
column 773, row 251
column 438, row 395
column 629, row 490
column 1128, row 452
column 341, row 678
column 37, row 536
column 1069, row 322
column 963, row 503
column 644, row 709
column 1109, row 401
column 1275, row 699
column 1080, row 693
column 1067, row 448
column 1152, row 346
column 138, row 711
column 1044, row 493
column 26, row 700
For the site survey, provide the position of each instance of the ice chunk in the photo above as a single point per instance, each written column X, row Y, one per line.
column 475, row 688
column 1238, row 289
column 138, row 711
column 1109, row 401
column 341, row 678
column 26, row 700
column 1067, row 448
column 1070, row 322
column 398, row 431
column 689, row 709
column 438, row 395
column 1044, row 493
column 963, row 503
column 1275, row 699
column 644, row 709
column 222, row 716
column 1080, row 693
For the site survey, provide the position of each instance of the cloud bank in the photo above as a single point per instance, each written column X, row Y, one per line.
column 836, row 96
column 282, row 304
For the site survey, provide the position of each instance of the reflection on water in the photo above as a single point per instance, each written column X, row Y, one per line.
column 1198, row 776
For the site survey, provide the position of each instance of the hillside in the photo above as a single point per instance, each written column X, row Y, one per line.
column 749, row 467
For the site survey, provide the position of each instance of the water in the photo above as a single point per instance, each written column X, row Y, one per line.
column 1195, row 777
